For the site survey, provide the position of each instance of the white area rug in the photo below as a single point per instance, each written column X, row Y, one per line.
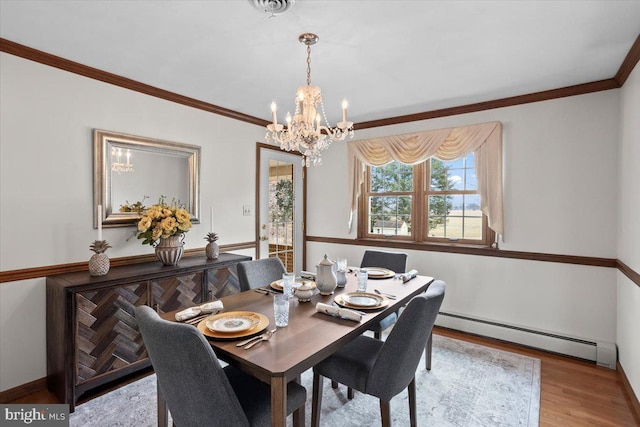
column 468, row 385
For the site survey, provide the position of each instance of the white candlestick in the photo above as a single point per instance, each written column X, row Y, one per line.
column 273, row 110
column 99, row 222
column 212, row 218
column 344, row 110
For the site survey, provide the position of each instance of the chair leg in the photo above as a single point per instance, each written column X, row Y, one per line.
column 316, row 402
column 385, row 413
column 413, row 419
column 349, row 393
column 163, row 410
column 427, row 352
column 334, row 384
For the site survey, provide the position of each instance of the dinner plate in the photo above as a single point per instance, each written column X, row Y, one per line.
column 231, row 322
column 361, row 300
column 277, row 284
column 262, row 324
column 378, row 273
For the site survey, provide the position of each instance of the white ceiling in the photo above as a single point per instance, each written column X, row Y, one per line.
column 388, row 58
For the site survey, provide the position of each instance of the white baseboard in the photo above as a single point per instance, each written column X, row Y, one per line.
column 603, row 353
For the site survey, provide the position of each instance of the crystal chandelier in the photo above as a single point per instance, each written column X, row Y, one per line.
column 118, row 166
column 304, row 131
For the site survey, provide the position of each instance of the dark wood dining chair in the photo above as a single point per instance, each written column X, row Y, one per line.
column 383, row 368
column 197, row 390
column 260, row 272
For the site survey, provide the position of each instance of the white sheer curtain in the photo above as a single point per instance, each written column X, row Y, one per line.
column 483, row 139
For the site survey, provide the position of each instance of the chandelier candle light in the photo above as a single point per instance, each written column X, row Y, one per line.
column 304, row 131
column 119, row 166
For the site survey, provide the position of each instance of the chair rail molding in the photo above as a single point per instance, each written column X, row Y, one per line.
column 50, row 270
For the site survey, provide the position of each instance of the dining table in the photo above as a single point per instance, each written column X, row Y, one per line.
column 308, row 338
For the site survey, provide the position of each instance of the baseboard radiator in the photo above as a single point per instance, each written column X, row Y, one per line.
column 603, row 353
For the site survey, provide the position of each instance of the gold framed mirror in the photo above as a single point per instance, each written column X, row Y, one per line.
column 133, row 172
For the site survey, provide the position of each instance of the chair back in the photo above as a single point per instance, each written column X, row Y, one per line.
column 189, row 374
column 394, row 261
column 260, row 272
column 396, row 364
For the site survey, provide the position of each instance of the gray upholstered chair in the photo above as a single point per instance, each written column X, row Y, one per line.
column 383, row 368
column 259, row 272
column 394, row 261
column 197, row 390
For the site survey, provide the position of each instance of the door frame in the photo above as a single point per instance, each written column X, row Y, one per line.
column 259, row 146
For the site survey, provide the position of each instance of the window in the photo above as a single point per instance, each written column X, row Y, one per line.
column 434, row 201
column 390, row 201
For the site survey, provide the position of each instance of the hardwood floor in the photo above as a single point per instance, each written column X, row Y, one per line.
column 573, row 392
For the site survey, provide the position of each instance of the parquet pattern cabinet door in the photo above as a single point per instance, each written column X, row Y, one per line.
column 178, row 292
column 222, row 281
column 107, row 337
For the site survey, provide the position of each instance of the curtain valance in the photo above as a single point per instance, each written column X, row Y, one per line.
column 483, row 139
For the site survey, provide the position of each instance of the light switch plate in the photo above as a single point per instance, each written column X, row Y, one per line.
column 246, row 210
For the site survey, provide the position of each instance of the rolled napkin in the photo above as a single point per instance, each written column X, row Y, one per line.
column 408, row 275
column 334, row 311
column 206, row 308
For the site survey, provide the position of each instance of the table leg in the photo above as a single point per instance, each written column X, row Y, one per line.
column 278, row 402
column 298, row 414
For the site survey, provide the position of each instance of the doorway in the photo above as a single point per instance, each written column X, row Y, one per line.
column 280, row 201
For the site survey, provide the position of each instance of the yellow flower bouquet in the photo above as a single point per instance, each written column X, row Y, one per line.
column 162, row 221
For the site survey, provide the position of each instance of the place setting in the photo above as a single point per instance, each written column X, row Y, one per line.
column 233, row 325
column 377, row 273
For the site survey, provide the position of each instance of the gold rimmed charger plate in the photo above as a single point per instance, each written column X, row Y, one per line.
column 361, row 301
column 277, row 284
column 229, row 323
column 378, row 273
column 262, row 324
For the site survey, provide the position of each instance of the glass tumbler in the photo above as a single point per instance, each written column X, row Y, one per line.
column 288, row 281
column 363, row 277
column 281, row 310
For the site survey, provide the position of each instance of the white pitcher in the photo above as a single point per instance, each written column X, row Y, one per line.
column 326, row 277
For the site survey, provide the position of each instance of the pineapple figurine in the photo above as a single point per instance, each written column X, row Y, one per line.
column 99, row 263
column 212, row 249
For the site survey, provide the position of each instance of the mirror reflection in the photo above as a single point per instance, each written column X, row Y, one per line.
column 133, row 172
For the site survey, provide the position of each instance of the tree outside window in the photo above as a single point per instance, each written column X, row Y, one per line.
column 434, row 201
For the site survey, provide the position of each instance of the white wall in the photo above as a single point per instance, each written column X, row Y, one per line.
column 628, row 333
column 560, row 180
column 46, row 185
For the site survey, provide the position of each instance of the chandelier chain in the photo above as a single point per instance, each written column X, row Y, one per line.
column 308, row 65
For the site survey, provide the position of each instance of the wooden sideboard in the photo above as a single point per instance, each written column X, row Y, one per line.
column 92, row 336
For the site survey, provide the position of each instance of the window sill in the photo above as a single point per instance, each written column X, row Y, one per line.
column 437, row 246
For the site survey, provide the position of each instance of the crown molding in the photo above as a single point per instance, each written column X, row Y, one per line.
column 41, row 57
column 629, row 63
column 546, row 95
